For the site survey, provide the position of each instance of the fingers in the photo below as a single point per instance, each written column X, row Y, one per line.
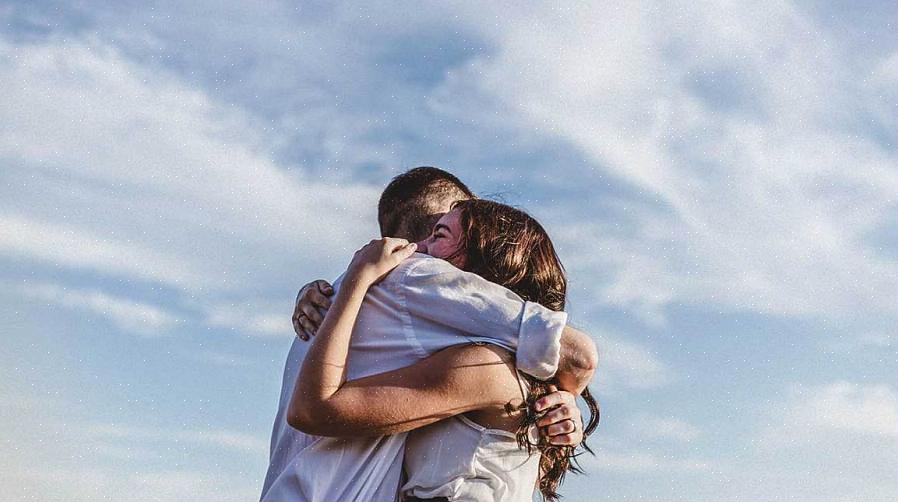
column 393, row 245
column 566, row 433
column 564, row 427
column 297, row 328
column 566, row 439
column 556, row 415
column 556, row 398
column 308, row 328
column 324, row 287
column 394, row 242
column 315, row 299
column 310, row 313
column 297, row 312
column 561, row 424
column 405, row 251
column 306, row 316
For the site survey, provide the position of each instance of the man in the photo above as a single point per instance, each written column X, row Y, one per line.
column 306, row 467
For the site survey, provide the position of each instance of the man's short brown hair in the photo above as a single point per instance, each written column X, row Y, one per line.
column 406, row 204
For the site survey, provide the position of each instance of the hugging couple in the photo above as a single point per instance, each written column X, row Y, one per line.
column 439, row 366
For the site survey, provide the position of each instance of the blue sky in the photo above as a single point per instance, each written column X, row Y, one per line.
column 719, row 179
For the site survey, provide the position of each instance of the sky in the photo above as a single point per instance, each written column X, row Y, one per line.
column 719, row 179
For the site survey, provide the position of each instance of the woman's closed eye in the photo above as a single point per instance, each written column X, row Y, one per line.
column 440, row 231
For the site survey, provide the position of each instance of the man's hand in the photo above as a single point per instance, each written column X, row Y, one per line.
column 562, row 424
column 311, row 306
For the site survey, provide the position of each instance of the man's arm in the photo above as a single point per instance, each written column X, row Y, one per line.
column 577, row 360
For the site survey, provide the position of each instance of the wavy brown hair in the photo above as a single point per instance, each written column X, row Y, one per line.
column 507, row 246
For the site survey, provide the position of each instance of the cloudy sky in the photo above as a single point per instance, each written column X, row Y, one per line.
column 719, row 179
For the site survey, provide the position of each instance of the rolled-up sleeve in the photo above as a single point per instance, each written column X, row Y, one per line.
column 432, row 289
column 539, row 340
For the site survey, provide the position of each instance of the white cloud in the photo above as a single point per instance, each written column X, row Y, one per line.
column 112, row 483
column 755, row 187
column 872, row 342
column 812, row 412
column 125, row 169
column 637, row 462
column 672, row 428
column 51, row 452
column 253, row 317
column 78, row 248
column 130, row 315
column 115, row 433
column 628, row 365
column 217, row 358
column 833, row 442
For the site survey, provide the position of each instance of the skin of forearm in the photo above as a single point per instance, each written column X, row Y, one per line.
column 324, row 368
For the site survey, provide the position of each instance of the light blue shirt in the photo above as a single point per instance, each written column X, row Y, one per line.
column 421, row 307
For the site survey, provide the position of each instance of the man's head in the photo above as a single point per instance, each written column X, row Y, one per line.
column 415, row 200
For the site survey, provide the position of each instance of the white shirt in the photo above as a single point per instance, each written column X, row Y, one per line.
column 463, row 461
column 421, row 307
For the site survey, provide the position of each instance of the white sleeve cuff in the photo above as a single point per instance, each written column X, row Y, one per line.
column 539, row 341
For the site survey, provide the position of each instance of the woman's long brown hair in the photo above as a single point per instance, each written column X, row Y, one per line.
column 506, row 246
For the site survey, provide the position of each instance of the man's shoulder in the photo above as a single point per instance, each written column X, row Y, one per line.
column 417, row 267
column 420, row 264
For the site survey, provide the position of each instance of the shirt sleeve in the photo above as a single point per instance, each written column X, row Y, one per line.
column 433, row 289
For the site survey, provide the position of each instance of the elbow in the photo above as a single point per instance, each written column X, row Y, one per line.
column 578, row 362
column 589, row 356
column 318, row 418
column 299, row 420
column 584, row 356
column 303, row 417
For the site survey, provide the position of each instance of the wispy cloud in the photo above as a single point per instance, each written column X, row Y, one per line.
column 755, row 154
column 629, row 365
column 117, row 433
column 85, row 459
column 253, row 317
column 812, row 411
column 130, row 315
column 635, row 462
column 131, row 172
column 79, row 248
column 670, row 428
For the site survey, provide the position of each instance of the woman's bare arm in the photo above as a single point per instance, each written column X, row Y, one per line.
column 455, row 380
column 452, row 382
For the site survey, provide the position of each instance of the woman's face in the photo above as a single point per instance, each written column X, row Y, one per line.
column 444, row 239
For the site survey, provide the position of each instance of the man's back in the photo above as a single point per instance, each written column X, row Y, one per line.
column 310, row 468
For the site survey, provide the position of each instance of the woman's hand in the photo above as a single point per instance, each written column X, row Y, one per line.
column 562, row 424
column 377, row 258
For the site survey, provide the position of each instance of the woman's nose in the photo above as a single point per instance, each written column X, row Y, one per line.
column 422, row 246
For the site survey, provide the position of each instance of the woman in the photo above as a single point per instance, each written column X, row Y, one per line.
column 474, row 455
